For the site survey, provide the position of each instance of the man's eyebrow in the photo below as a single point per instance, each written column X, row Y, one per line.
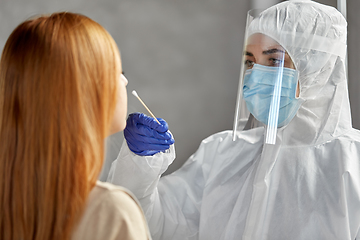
column 271, row 51
column 249, row 54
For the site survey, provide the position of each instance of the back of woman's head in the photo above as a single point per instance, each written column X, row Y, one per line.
column 58, row 84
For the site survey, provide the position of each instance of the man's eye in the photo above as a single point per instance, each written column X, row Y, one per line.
column 249, row 64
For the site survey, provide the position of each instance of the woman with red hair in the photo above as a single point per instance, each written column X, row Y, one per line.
column 62, row 92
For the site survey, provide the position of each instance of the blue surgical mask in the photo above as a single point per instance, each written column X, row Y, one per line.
column 258, row 91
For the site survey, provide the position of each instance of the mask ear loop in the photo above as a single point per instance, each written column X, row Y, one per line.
column 273, row 118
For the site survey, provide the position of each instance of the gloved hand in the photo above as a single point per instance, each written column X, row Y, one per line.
column 145, row 136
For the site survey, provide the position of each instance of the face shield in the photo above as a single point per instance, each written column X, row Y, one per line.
column 268, row 86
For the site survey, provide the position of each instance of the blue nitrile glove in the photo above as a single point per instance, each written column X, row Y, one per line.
column 145, row 136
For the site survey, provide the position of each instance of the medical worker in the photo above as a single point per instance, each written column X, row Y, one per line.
column 292, row 173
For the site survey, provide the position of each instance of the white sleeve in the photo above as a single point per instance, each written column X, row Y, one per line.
column 171, row 205
column 140, row 174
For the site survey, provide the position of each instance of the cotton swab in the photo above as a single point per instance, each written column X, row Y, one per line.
column 136, row 95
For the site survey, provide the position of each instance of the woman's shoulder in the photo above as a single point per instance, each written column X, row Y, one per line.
column 111, row 212
column 117, row 202
column 109, row 194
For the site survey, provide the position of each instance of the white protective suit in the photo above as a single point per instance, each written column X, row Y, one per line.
column 306, row 186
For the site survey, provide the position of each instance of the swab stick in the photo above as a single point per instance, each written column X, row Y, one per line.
column 136, row 95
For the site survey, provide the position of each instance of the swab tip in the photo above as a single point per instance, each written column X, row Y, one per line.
column 135, row 93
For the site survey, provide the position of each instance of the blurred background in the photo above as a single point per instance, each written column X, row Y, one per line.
column 183, row 58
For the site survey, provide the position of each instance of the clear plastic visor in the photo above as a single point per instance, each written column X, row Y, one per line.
column 267, row 86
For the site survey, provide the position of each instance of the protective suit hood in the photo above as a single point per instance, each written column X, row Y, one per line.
column 314, row 35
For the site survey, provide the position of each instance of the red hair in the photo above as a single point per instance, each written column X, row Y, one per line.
column 58, row 85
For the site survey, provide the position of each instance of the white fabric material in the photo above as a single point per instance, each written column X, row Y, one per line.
column 306, row 186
